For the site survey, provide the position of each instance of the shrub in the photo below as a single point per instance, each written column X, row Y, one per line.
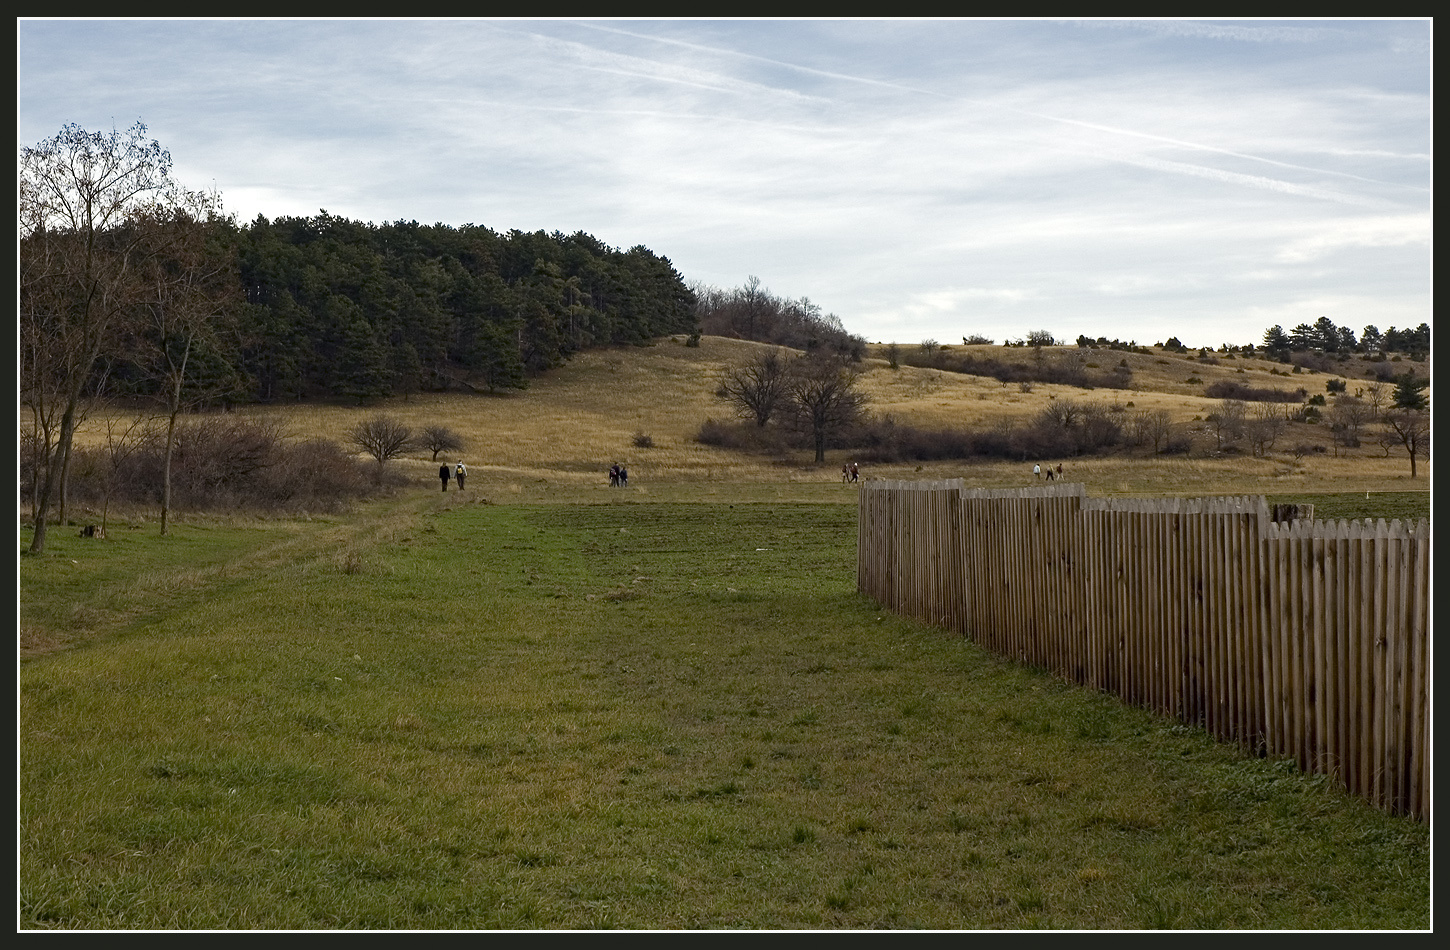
column 744, row 436
column 1232, row 389
column 227, row 464
column 643, row 441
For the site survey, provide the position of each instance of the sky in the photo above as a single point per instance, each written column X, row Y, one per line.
column 921, row 179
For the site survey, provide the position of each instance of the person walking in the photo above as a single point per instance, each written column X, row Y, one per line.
column 460, row 473
column 443, row 474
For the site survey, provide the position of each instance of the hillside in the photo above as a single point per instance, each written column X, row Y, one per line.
column 573, row 422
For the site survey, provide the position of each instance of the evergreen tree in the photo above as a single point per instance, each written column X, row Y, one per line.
column 1277, row 344
column 361, row 371
column 1410, row 393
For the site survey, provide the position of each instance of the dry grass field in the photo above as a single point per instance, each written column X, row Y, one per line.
column 558, row 437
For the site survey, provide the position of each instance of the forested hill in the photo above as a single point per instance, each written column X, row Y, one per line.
column 342, row 308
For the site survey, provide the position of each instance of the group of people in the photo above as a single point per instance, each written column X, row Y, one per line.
column 1038, row 470
column 460, row 473
column 618, row 476
column 850, row 473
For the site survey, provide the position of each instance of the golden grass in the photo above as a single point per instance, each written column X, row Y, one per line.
column 562, row 433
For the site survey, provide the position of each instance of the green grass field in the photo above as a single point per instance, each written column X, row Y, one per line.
column 645, row 714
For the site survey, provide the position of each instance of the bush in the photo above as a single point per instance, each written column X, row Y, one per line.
column 1232, row 389
column 227, row 464
column 744, row 436
column 643, row 441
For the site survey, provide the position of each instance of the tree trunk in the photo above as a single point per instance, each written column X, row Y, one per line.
column 166, row 473
column 52, row 478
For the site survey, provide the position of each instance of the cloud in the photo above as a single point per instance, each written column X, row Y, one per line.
column 1222, row 30
column 922, row 178
column 1391, row 231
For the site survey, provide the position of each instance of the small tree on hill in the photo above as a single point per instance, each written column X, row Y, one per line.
column 1410, row 393
column 440, row 439
column 1410, row 428
column 382, row 437
column 824, row 397
column 757, row 389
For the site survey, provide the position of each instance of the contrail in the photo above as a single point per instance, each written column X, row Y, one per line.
column 901, row 87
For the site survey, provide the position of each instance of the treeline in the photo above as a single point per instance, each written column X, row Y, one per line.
column 132, row 285
column 339, row 308
column 1325, row 337
column 752, row 312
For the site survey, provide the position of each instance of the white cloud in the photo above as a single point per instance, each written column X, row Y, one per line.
column 1405, row 230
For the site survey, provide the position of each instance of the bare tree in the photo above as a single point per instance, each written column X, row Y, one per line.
column 189, row 286
column 1149, row 425
column 1375, row 394
column 1410, row 429
column 77, row 192
column 1062, row 414
column 382, row 437
column 1157, row 424
column 1228, row 421
column 122, row 442
column 1265, row 427
column 754, row 302
column 1346, row 417
column 825, row 397
column 757, row 389
column 437, row 439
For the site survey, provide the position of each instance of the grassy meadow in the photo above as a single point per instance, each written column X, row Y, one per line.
column 547, row 704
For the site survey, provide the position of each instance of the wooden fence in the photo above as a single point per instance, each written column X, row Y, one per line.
column 1307, row 639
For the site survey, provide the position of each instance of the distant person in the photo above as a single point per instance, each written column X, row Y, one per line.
column 460, row 473
column 1037, row 470
column 1049, row 475
column 855, row 472
column 443, row 475
column 1059, row 469
column 845, row 474
column 623, row 477
column 614, row 475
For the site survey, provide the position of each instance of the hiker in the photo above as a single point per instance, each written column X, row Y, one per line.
column 623, row 477
column 1049, row 475
column 443, row 474
column 855, row 472
column 614, row 475
column 1059, row 469
column 845, row 474
column 1037, row 470
column 461, row 473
